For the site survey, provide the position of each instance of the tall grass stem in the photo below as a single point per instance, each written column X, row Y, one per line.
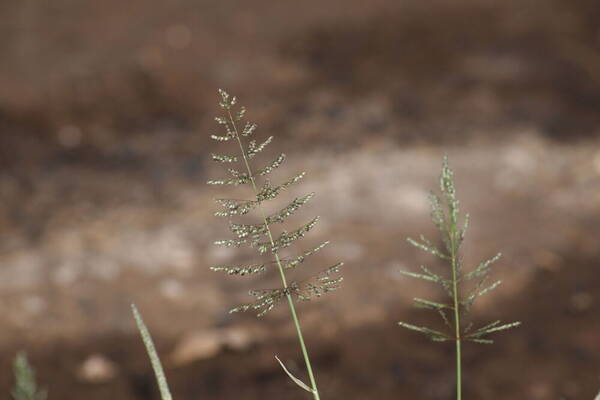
column 303, row 348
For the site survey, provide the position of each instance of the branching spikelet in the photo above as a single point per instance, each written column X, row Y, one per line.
column 445, row 215
column 254, row 149
column 294, row 262
column 223, row 158
column 253, row 231
column 286, row 239
column 240, row 270
column 276, row 163
column 235, row 207
column 289, row 209
column 323, row 283
column 266, row 299
column 259, row 235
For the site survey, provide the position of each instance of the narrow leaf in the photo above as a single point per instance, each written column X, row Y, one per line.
column 293, row 378
column 165, row 393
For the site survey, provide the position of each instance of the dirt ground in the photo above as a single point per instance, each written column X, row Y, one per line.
column 105, row 115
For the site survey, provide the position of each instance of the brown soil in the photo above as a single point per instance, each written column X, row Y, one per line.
column 104, row 114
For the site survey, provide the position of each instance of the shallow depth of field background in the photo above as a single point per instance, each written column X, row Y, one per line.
column 105, row 114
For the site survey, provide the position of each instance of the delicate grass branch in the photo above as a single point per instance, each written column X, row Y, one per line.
column 260, row 236
column 445, row 215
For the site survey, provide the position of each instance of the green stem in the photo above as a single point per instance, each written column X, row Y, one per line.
column 456, row 310
column 311, row 376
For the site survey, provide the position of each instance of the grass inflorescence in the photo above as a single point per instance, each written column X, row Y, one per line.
column 445, row 215
column 260, row 235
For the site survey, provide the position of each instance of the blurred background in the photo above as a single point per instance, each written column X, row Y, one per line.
column 105, row 114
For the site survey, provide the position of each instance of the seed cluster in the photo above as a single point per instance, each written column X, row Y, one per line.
column 445, row 213
column 259, row 235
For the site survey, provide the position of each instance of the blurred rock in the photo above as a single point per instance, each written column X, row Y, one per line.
column 206, row 344
column 238, row 339
column 349, row 250
column 220, row 254
column 540, row 390
column 171, row 289
column 581, row 301
column 178, row 36
column 197, row 346
column 69, row 136
column 34, row 305
column 97, row 369
column 411, row 198
column 547, row 260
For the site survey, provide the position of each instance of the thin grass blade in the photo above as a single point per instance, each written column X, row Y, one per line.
column 293, row 378
column 165, row 393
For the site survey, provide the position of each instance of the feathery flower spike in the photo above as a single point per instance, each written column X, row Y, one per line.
column 260, row 235
column 445, row 215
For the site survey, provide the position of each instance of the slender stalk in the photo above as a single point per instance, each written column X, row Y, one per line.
column 455, row 295
column 311, row 376
column 161, row 380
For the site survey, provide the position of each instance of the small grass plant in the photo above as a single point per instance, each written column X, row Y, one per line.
column 260, row 236
column 445, row 215
column 25, row 387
